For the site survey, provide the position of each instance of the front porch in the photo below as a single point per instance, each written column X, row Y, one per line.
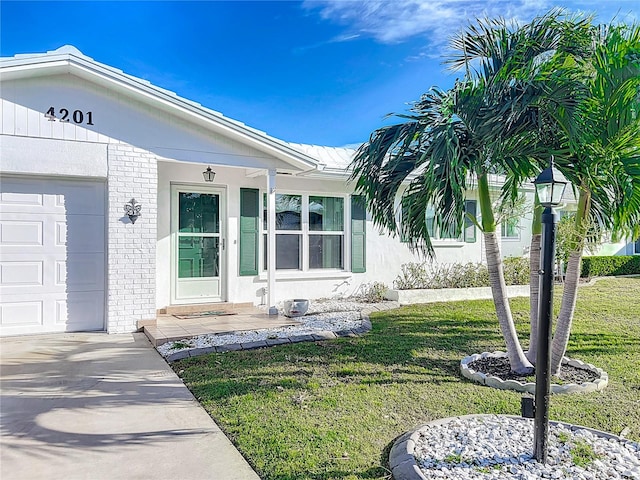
column 189, row 321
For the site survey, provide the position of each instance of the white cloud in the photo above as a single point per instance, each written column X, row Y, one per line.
column 392, row 21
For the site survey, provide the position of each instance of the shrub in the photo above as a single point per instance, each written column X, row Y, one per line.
column 372, row 292
column 610, row 265
column 458, row 275
column 516, row 270
column 412, row 276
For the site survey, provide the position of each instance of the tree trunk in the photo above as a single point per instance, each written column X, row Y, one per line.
column 517, row 358
column 567, row 308
column 570, row 292
column 534, row 290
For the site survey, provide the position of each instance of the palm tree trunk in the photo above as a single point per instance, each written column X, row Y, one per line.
column 517, row 359
column 567, row 308
column 570, row 292
column 534, row 290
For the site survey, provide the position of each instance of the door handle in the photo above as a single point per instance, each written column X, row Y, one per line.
column 222, row 239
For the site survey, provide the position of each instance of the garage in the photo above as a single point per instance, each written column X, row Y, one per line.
column 52, row 255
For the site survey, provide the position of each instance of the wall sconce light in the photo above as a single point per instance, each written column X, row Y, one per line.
column 132, row 209
column 209, row 175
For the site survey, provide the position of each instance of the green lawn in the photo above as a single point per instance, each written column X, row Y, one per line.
column 331, row 410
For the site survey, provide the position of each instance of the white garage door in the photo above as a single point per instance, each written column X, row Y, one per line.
column 52, row 256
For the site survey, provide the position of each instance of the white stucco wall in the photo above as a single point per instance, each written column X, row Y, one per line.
column 385, row 254
column 44, row 156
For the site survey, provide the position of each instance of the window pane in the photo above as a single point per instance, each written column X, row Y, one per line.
column 469, row 225
column 288, row 212
column 287, row 252
column 449, row 233
column 198, row 257
column 510, row 228
column 637, row 246
column 198, row 213
column 326, row 214
column 430, row 216
column 325, row 251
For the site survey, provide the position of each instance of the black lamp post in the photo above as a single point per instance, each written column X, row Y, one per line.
column 550, row 186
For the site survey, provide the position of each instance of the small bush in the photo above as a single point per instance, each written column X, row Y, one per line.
column 458, row 275
column 412, row 276
column 516, row 270
column 610, row 265
column 372, row 292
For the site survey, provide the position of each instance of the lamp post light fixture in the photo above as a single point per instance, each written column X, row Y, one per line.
column 550, row 186
column 209, row 175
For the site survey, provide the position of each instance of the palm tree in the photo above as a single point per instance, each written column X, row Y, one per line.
column 451, row 138
column 604, row 142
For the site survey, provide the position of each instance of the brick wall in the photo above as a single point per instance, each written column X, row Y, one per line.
column 131, row 247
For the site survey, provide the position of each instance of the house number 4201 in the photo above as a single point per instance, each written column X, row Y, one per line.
column 64, row 115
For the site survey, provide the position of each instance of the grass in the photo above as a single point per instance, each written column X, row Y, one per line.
column 582, row 454
column 331, row 410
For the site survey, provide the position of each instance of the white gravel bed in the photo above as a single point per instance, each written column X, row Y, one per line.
column 333, row 321
column 500, row 447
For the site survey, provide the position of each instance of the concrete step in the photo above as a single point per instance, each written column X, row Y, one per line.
column 207, row 307
column 150, row 322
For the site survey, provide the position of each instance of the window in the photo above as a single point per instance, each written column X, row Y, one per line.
column 510, row 228
column 636, row 247
column 469, row 227
column 326, row 221
column 309, row 232
column 470, row 217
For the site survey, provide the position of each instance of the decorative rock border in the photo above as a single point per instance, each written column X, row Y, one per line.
column 318, row 336
column 404, row 466
column 600, row 383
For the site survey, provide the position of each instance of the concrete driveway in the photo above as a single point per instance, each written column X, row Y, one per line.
column 97, row 406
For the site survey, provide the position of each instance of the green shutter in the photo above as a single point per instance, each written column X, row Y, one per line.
column 358, row 235
column 249, row 230
column 469, row 223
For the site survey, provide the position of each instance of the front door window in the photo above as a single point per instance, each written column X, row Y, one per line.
column 198, row 235
column 198, row 243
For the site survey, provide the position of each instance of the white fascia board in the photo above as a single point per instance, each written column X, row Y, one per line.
column 116, row 79
column 328, row 173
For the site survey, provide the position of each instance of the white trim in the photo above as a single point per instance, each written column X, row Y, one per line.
column 324, row 274
column 271, row 238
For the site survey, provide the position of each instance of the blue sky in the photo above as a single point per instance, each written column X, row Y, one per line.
column 323, row 71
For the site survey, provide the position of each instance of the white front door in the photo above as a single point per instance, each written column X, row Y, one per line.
column 198, row 233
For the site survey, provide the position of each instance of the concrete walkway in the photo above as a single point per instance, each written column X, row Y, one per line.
column 97, row 406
